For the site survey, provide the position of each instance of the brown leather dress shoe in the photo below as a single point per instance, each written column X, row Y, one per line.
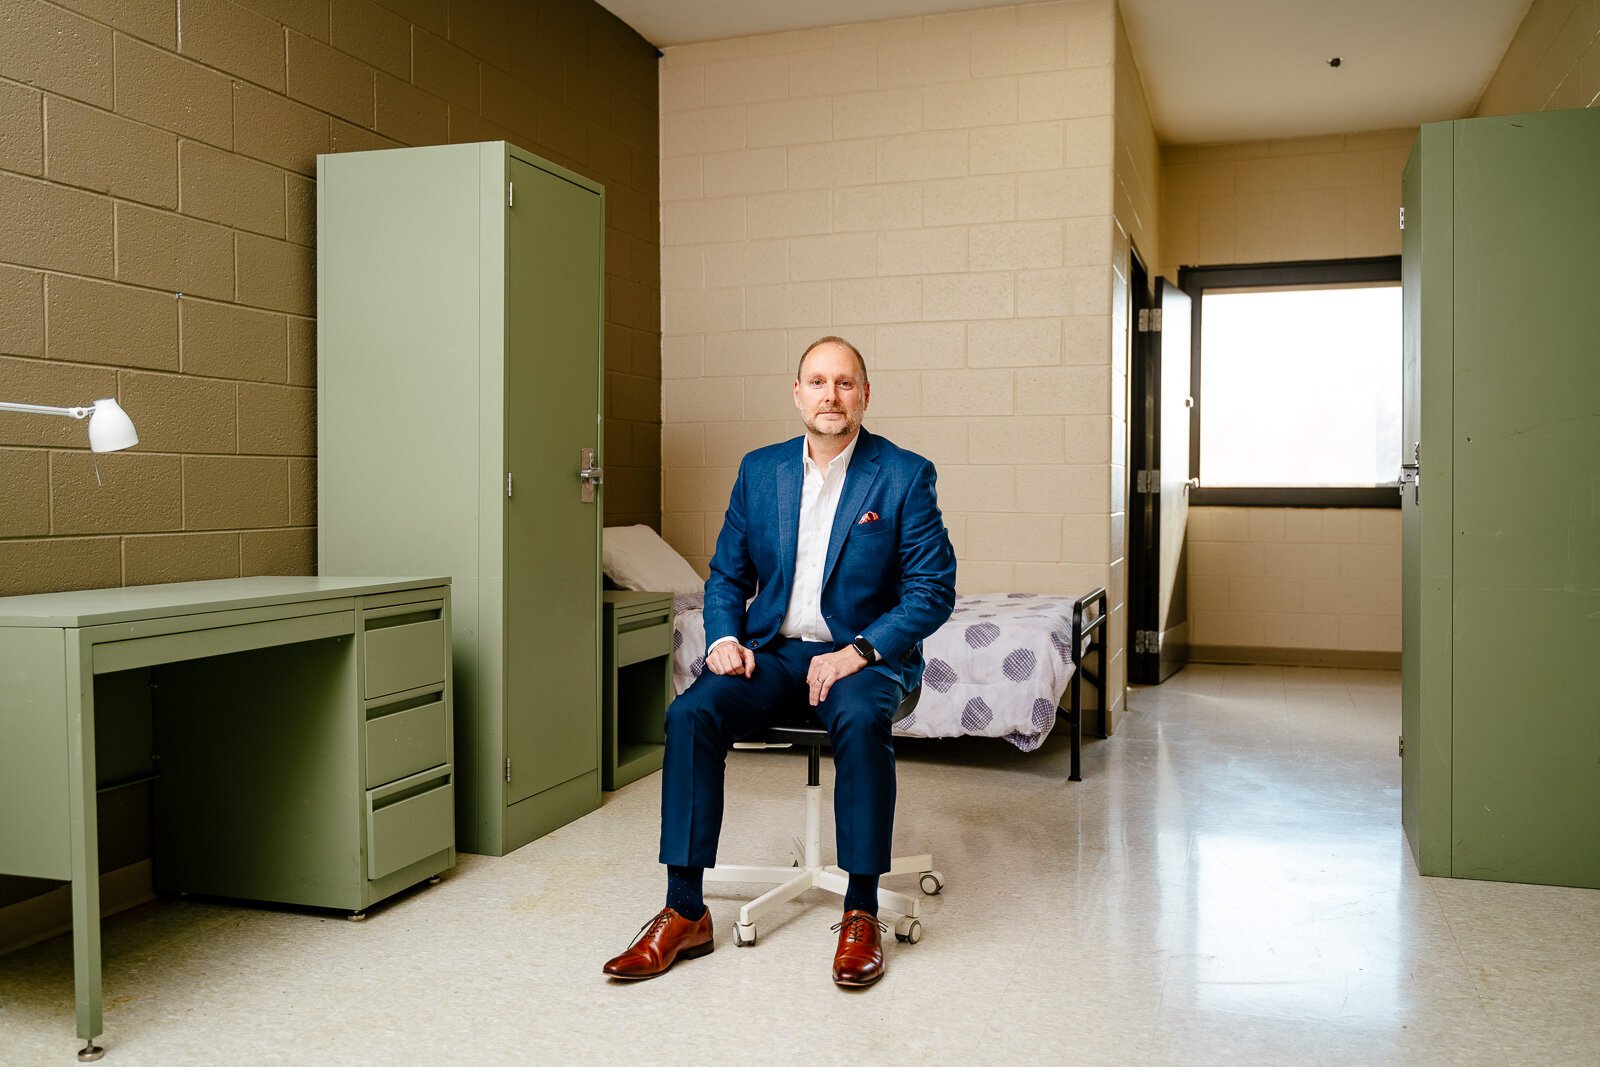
column 858, row 960
column 663, row 941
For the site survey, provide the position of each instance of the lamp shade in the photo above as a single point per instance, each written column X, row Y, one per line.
column 110, row 429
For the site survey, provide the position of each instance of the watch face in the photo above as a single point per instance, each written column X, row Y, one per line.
column 863, row 646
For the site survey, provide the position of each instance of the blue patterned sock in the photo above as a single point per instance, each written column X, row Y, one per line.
column 684, row 894
column 862, row 894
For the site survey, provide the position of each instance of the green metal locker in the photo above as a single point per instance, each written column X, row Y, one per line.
column 1501, row 543
column 459, row 375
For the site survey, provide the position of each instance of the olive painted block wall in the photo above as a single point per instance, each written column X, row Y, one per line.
column 156, row 245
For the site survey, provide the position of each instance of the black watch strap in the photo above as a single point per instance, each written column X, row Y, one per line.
column 864, row 647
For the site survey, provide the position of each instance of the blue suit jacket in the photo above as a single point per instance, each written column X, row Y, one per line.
column 891, row 580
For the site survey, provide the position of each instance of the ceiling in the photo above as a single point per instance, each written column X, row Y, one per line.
column 1214, row 70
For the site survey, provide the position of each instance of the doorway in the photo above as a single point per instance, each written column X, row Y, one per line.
column 1159, row 477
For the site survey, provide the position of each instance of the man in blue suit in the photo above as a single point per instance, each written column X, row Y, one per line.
column 838, row 539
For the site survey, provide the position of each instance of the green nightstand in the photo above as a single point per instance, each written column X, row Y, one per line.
column 638, row 685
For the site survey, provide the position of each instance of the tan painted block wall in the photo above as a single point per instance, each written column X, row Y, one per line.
column 1307, row 579
column 1332, row 197
column 1552, row 62
column 157, row 246
column 1136, row 208
column 940, row 191
column 1329, row 198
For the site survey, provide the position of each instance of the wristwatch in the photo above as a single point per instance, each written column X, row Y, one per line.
column 865, row 649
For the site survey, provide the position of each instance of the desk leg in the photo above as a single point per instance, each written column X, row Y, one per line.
column 86, row 960
column 85, row 847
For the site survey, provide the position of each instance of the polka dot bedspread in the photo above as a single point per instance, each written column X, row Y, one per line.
column 998, row 668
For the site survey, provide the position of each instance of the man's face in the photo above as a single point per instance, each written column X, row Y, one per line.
column 830, row 393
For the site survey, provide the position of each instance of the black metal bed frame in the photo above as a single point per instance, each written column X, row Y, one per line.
column 1082, row 626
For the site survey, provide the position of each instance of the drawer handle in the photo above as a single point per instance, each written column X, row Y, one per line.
column 382, row 622
column 643, row 621
column 429, row 781
column 382, row 710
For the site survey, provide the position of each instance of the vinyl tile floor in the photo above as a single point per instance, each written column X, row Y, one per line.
column 1229, row 884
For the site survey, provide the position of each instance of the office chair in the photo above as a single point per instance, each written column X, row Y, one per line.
column 807, row 870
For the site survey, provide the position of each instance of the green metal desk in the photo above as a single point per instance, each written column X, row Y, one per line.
column 301, row 732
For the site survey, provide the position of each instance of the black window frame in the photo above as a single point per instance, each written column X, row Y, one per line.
column 1196, row 281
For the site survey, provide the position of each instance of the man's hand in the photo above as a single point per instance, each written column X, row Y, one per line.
column 829, row 668
column 731, row 657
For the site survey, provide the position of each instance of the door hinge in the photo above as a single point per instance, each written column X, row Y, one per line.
column 1149, row 320
column 1402, row 751
column 1146, row 641
column 1402, row 218
column 508, row 485
column 508, row 768
column 511, row 194
column 1147, row 481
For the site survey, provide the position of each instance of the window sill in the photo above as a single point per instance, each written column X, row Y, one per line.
column 1285, row 496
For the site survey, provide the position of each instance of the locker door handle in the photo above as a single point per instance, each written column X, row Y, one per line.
column 589, row 476
column 1412, row 472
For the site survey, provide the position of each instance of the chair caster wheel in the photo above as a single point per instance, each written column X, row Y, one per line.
column 932, row 882
column 744, row 936
column 908, row 930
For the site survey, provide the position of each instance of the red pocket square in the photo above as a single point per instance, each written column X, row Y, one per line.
column 871, row 516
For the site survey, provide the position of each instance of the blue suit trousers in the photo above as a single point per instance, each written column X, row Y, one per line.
column 718, row 710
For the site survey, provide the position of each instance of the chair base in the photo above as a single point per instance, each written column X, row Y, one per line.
column 808, row 872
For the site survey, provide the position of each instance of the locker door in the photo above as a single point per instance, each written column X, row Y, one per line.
column 553, row 323
column 1526, row 666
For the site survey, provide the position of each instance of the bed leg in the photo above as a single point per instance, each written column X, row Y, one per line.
column 1075, row 728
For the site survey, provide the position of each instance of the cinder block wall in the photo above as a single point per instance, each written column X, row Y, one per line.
column 1276, row 584
column 1332, row 197
column 1323, row 585
column 939, row 190
column 1136, row 200
column 156, row 245
column 1553, row 61
column 1295, row 584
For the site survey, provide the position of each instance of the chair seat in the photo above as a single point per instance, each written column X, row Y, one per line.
column 803, row 728
column 811, row 734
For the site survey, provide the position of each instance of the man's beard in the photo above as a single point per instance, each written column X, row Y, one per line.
column 842, row 429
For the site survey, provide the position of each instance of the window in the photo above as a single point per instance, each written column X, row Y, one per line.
column 1296, row 379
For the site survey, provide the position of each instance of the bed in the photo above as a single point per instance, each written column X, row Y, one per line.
column 1002, row 666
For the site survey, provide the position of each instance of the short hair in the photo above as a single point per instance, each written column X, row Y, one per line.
column 832, row 340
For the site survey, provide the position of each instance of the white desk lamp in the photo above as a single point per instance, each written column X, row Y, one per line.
column 110, row 429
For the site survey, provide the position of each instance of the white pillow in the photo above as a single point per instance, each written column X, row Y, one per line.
column 635, row 557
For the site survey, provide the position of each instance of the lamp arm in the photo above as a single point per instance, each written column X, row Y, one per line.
column 40, row 409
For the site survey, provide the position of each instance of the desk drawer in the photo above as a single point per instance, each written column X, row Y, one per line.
column 406, row 648
column 415, row 826
column 647, row 642
column 407, row 740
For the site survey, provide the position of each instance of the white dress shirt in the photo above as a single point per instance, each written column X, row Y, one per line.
column 819, row 502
